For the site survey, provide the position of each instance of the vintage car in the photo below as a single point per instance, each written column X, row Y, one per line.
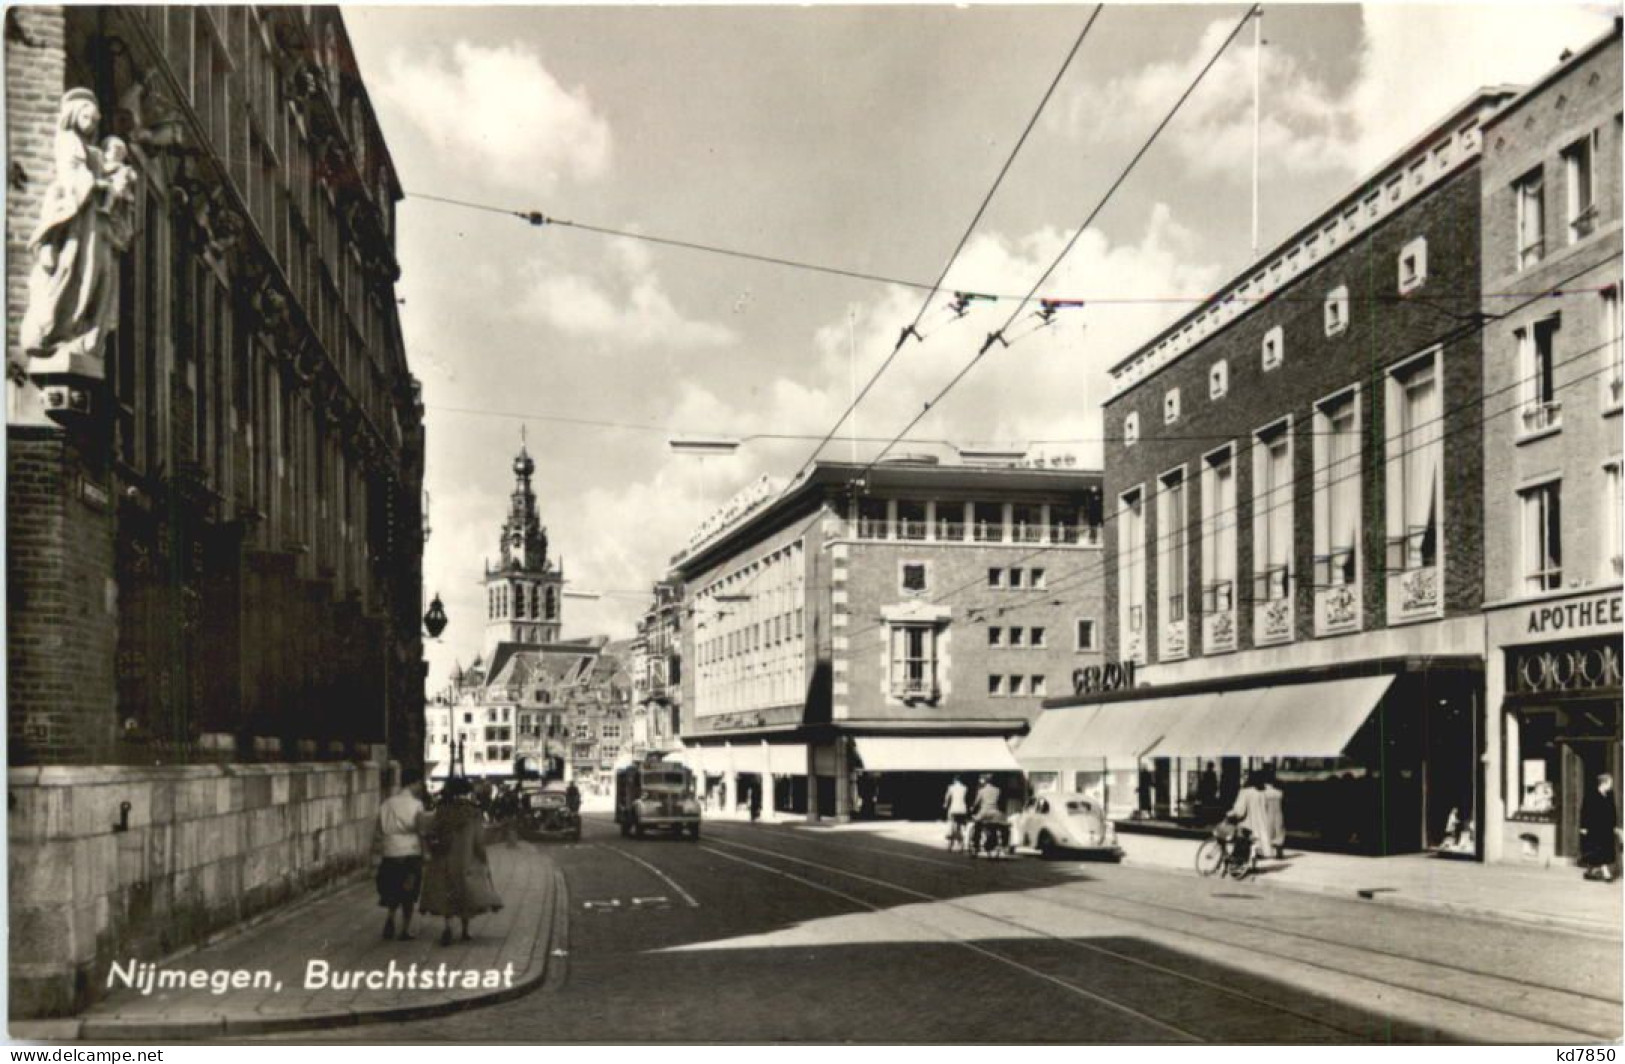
column 1058, row 823
column 545, row 813
column 657, row 795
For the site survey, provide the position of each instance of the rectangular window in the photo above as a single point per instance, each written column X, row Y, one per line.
column 1337, row 491
column 1413, row 265
column 1018, row 636
column 995, row 578
column 1542, row 537
column 1541, row 409
column 1035, row 637
column 1613, row 336
column 914, row 576
column 1171, row 558
column 1037, row 686
column 1337, row 310
column 1613, row 522
column 1086, row 635
column 1018, row 686
column 1415, row 448
column 1529, row 193
column 995, row 686
column 1272, row 513
column 995, row 636
column 1016, row 577
column 1131, row 574
column 914, row 661
column 1035, row 578
column 1580, row 177
column 1219, row 532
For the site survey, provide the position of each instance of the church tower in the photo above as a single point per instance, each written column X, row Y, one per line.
column 524, row 600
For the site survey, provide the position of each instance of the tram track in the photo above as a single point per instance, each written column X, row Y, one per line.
column 1564, row 1028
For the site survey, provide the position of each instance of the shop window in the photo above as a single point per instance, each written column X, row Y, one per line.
column 1542, row 565
column 1535, row 774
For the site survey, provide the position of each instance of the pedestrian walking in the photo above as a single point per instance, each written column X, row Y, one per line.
column 955, row 811
column 572, row 797
column 1274, row 816
column 400, row 869
column 1251, row 813
column 457, row 881
column 1207, row 788
column 1599, row 830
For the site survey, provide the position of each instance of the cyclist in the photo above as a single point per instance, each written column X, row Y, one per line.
column 990, row 829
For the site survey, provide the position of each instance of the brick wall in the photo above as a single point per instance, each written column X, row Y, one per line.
column 957, row 578
column 1584, row 98
column 1381, row 331
column 205, row 847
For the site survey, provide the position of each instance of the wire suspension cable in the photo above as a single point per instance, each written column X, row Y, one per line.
column 998, row 334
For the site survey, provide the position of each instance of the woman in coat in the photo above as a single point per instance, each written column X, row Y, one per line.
column 457, row 881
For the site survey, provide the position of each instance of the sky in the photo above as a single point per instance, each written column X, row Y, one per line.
column 859, row 138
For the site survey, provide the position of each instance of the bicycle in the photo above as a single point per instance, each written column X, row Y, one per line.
column 1229, row 851
column 990, row 839
column 956, row 831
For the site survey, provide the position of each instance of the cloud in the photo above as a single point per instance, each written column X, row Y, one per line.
column 501, row 113
column 629, row 306
column 1308, row 127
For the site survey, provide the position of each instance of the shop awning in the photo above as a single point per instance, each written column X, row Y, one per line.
column 935, row 753
column 1293, row 720
column 761, row 758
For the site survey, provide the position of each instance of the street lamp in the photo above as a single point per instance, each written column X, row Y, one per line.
column 434, row 622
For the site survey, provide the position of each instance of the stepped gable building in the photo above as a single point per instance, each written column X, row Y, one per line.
column 1295, row 535
column 214, row 466
column 1552, row 502
column 854, row 641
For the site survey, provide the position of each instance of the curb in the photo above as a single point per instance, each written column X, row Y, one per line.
column 1392, row 896
column 113, row 1030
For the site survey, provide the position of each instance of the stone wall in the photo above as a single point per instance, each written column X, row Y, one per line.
column 205, row 848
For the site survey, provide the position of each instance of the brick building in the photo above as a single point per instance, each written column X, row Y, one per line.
column 214, row 530
column 1551, row 410
column 1293, row 478
column 875, row 642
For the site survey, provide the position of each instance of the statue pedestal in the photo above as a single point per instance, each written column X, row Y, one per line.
column 68, row 382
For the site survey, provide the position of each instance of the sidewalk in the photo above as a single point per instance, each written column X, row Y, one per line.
column 1556, row 897
column 343, row 930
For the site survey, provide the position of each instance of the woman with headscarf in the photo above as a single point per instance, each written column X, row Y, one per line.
column 457, row 881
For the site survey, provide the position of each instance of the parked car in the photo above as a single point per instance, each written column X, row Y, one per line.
column 1057, row 823
column 546, row 813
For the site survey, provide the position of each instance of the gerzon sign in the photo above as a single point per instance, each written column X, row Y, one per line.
column 1098, row 679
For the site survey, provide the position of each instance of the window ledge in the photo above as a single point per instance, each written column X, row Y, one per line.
column 1538, row 434
column 1611, row 410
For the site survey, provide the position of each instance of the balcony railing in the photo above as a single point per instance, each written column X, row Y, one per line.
column 917, row 529
column 1540, row 415
column 1272, row 583
column 911, row 528
column 914, row 688
column 1335, row 569
column 1218, row 596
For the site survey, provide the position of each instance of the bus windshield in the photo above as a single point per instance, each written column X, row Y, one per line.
column 673, row 781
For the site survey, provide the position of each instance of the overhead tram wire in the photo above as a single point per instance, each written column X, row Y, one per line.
column 998, row 334
column 936, row 286
column 539, row 219
column 1559, row 289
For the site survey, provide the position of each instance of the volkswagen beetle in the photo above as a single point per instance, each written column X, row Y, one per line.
column 1065, row 822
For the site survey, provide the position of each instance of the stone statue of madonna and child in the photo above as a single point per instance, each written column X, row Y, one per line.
column 87, row 220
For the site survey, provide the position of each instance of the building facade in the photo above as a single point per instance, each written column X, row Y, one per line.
column 214, row 465
column 1551, row 412
column 1293, row 478
column 846, row 652
column 657, row 672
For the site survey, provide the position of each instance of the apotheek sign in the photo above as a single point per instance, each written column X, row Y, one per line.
column 1579, row 615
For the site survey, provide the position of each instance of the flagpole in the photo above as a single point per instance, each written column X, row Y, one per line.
column 1258, row 51
column 852, row 364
